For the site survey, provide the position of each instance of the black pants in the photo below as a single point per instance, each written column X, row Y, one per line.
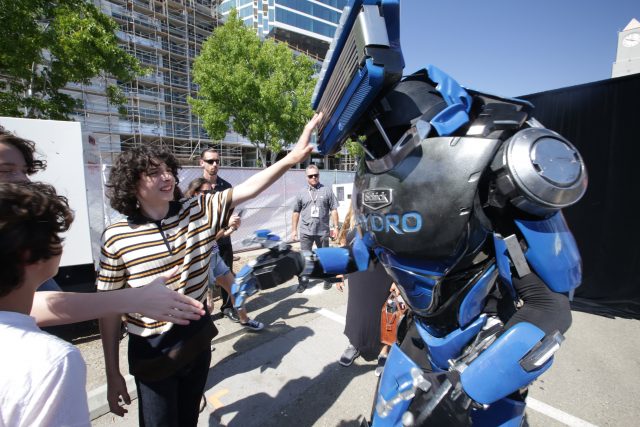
column 174, row 401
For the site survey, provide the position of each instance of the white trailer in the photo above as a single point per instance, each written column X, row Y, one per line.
column 60, row 145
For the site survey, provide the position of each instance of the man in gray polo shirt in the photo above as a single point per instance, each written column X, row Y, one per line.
column 315, row 204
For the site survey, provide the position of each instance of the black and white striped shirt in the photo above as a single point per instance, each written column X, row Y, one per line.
column 138, row 249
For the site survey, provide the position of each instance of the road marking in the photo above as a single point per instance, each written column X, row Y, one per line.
column 331, row 315
column 213, row 398
column 532, row 403
column 557, row 414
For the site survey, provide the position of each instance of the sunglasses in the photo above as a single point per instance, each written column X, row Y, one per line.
column 211, row 161
column 315, row 175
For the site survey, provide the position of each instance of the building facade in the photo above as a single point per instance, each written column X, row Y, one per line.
column 166, row 36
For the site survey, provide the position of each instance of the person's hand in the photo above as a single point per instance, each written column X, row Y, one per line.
column 303, row 148
column 333, row 233
column 158, row 302
column 234, row 222
column 117, row 394
column 294, row 236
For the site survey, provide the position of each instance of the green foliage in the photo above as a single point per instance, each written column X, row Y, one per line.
column 45, row 44
column 355, row 148
column 260, row 89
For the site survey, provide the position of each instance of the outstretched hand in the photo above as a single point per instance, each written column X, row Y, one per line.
column 161, row 303
column 303, row 148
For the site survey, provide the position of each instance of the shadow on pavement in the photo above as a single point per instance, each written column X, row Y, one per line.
column 296, row 404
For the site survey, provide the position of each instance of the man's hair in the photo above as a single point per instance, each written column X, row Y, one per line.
column 125, row 174
column 32, row 216
column 312, row 166
column 27, row 149
column 194, row 186
column 208, row 150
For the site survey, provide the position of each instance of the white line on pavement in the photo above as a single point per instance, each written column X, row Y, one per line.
column 331, row 315
column 532, row 403
column 556, row 414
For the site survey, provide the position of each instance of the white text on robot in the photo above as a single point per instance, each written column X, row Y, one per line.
column 409, row 222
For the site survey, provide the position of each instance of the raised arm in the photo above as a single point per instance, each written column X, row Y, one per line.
column 263, row 179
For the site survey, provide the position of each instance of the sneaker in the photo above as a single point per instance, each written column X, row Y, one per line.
column 380, row 367
column 231, row 314
column 327, row 285
column 254, row 325
column 301, row 288
column 349, row 356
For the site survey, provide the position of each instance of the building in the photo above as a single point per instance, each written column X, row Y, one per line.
column 305, row 25
column 628, row 53
column 165, row 36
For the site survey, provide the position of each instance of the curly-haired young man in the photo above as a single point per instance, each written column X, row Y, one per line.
column 43, row 377
column 169, row 363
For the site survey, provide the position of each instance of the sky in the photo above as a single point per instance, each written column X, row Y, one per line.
column 513, row 47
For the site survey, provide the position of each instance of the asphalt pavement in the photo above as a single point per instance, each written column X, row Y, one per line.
column 288, row 375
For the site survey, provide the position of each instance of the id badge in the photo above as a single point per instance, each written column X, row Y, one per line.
column 315, row 212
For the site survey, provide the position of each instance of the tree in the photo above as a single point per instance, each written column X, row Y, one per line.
column 46, row 44
column 259, row 89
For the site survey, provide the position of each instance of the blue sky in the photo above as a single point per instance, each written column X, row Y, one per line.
column 511, row 47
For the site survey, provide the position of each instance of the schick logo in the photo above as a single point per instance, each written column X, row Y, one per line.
column 377, row 198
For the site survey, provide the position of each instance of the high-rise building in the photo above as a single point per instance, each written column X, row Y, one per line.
column 628, row 53
column 305, row 25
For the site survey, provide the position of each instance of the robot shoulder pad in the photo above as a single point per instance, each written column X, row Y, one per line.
column 539, row 171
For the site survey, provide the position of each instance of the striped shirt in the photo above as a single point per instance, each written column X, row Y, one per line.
column 136, row 250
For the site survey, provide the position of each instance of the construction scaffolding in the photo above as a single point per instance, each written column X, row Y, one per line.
column 165, row 36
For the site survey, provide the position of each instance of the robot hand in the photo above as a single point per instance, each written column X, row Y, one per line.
column 268, row 270
column 440, row 401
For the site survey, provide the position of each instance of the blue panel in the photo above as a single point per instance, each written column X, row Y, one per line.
column 333, row 260
column 449, row 346
column 502, row 259
column 360, row 252
column 364, row 87
column 458, row 100
column 553, row 253
column 391, row 11
column 396, row 378
column 496, row 373
column 476, row 298
column 503, row 413
column 416, row 277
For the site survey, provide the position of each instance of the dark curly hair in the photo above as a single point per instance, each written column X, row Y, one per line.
column 27, row 149
column 32, row 216
column 125, row 174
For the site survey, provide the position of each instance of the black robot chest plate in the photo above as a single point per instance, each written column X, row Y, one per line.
column 422, row 207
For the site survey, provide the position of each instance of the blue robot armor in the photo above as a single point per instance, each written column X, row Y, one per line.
column 459, row 197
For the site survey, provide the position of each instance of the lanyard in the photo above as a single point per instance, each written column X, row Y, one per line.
column 311, row 197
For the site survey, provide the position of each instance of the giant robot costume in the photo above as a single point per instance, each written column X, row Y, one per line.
column 459, row 196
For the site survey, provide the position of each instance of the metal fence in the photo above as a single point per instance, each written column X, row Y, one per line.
column 270, row 210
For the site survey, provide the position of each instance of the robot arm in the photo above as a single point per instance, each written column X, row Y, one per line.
column 281, row 263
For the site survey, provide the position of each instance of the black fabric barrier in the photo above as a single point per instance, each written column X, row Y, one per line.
column 602, row 119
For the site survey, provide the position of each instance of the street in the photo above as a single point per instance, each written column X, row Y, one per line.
column 288, row 375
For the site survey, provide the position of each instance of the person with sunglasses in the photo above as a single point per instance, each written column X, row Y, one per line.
column 311, row 210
